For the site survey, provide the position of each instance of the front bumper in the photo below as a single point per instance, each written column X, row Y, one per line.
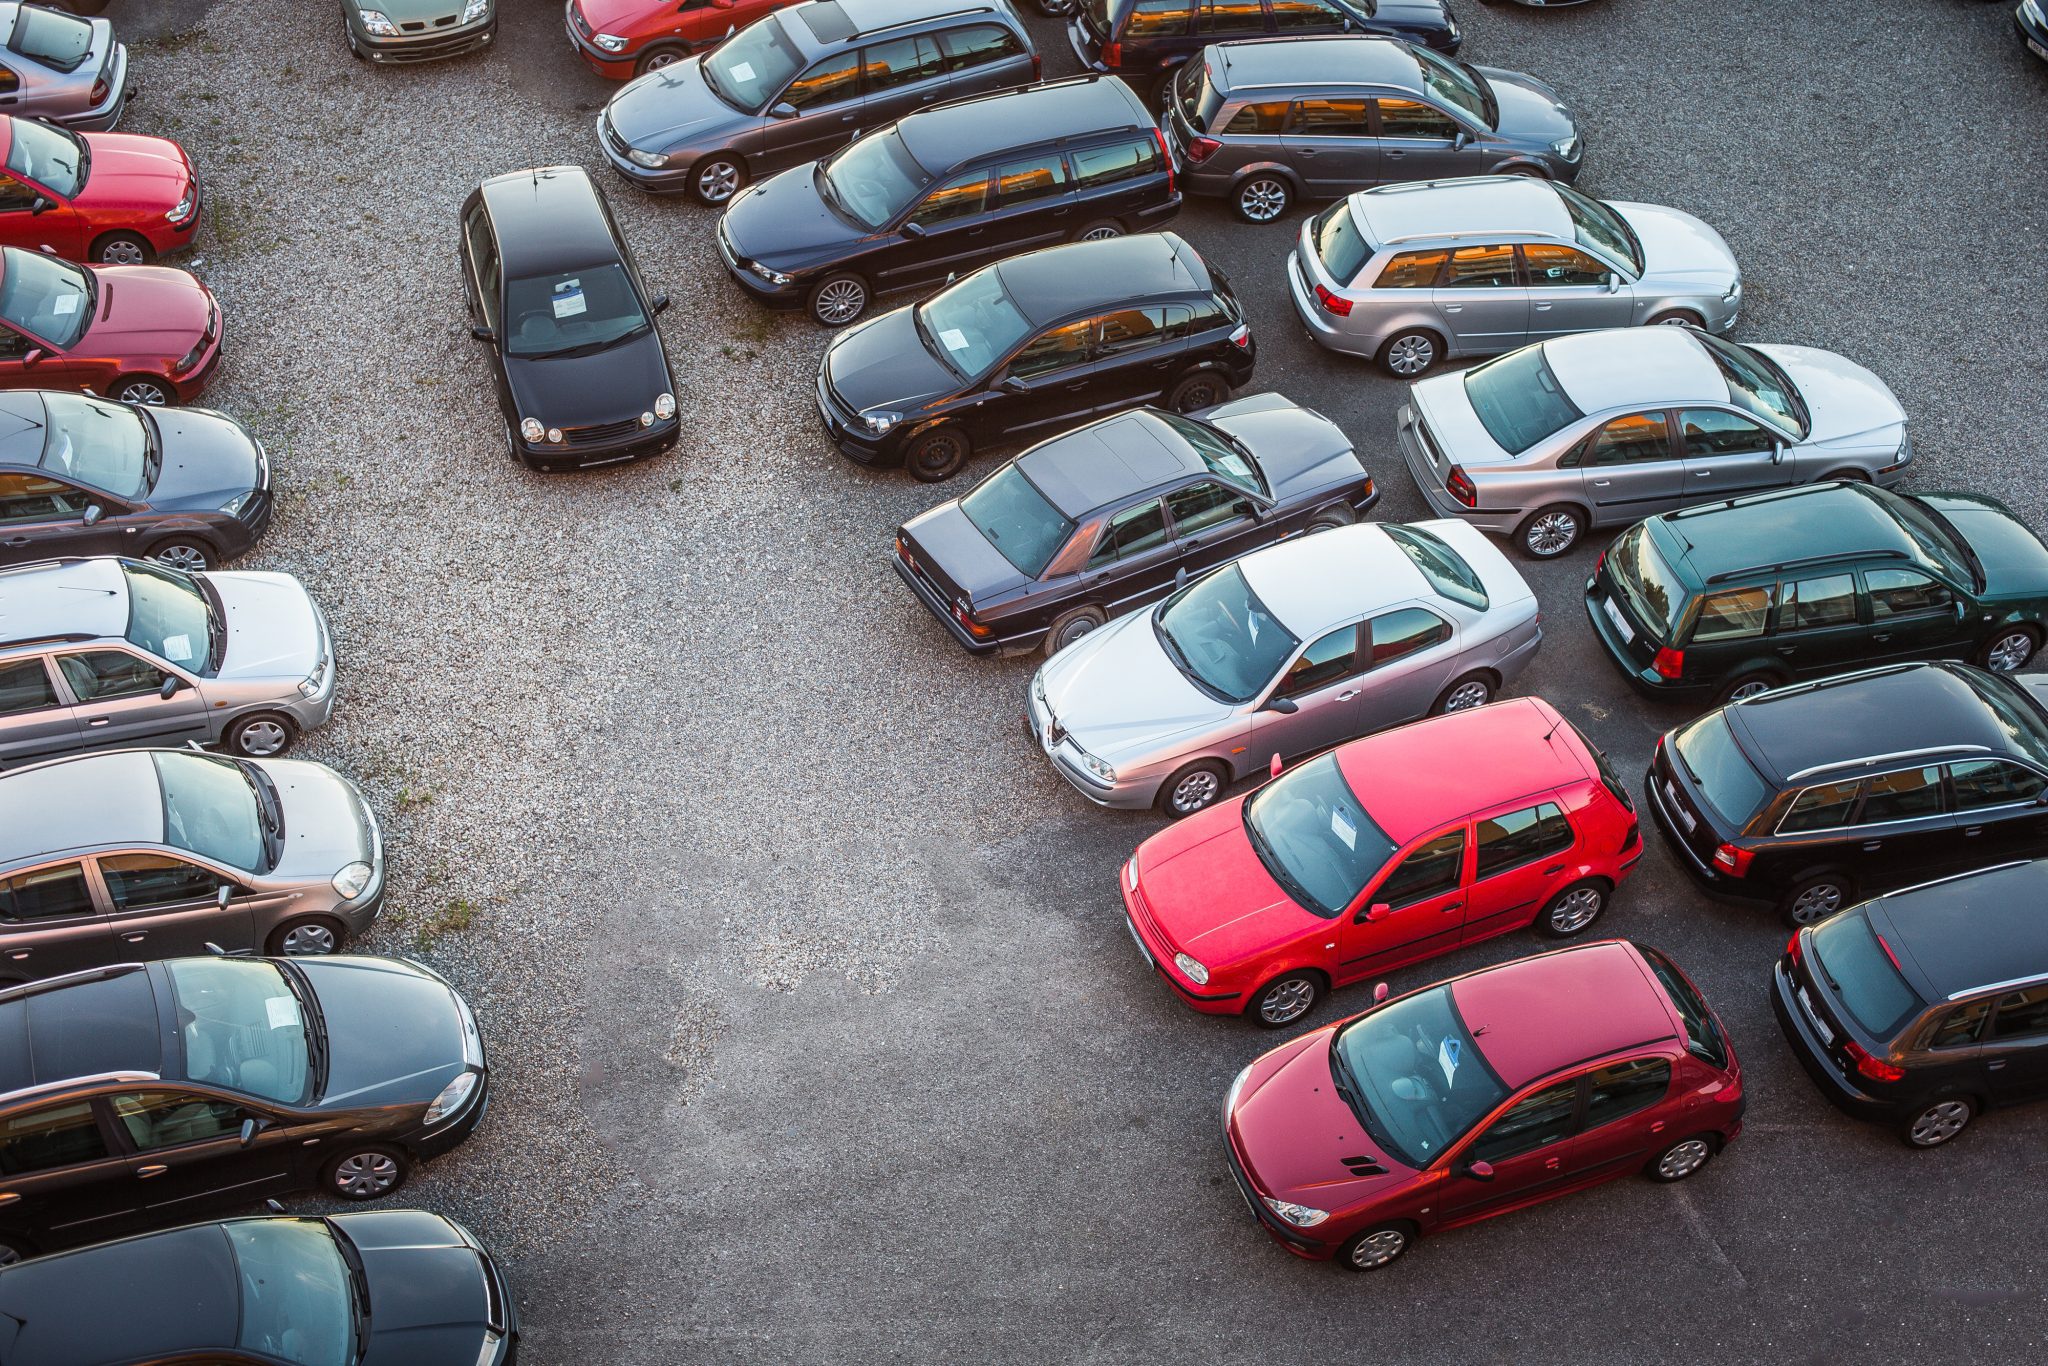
column 1123, row 795
column 452, row 1132
column 190, row 385
column 1281, row 1232
column 1158, row 956
column 759, row 290
column 1812, row 1054
column 431, row 46
column 2032, row 22
column 613, row 66
column 670, row 179
column 637, row 444
column 855, row 443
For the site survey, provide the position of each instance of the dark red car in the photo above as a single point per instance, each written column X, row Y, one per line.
column 1484, row 1094
column 107, row 197
column 141, row 334
column 627, row 38
column 1397, row 847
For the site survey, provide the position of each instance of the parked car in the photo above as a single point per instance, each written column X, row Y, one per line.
column 1730, row 599
column 1036, row 341
column 237, row 1078
column 621, row 39
column 1284, row 652
column 113, row 198
column 140, row 334
column 388, row 1285
column 1602, row 428
column 1146, row 41
column 552, row 288
column 107, row 653
column 417, row 30
column 158, row 853
column 188, row 487
column 1112, row 515
column 802, row 83
column 1409, row 274
column 1357, row 862
column 59, row 67
column 946, row 190
column 2032, row 23
column 1920, row 1009
column 1813, row 795
column 1268, row 122
column 1483, row 1094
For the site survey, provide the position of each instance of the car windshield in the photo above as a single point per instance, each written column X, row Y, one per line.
column 1340, row 246
column 58, row 41
column 971, row 326
column 1757, row 385
column 2018, row 714
column 1314, row 837
column 45, row 297
column 94, row 442
column 1646, row 580
column 1221, row 452
column 1456, row 85
column 242, row 1027
column 1445, row 569
column 49, row 156
column 168, row 614
column 1413, row 1075
column 753, row 66
column 1017, row 519
column 1859, row 968
column 1703, row 1037
column 1936, row 538
column 212, row 808
column 1222, row 637
column 1518, row 399
column 1599, row 227
column 872, row 180
column 1728, row 782
column 572, row 313
column 298, row 1295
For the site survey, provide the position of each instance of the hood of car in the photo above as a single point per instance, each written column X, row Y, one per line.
column 953, row 550
column 146, row 311
column 273, row 631
column 611, row 385
column 784, row 224
column 1679, row 248
column 1844, row 401
column 671, row 107
column 1115, row 691
column 429, row 1297
column 622, row 16
column 1297, row 448
column 1459, row 434
column 2014, row 560
column 394, row 1033
column 1294, row 1131
column 208, row 458
column 324, row 829
column 1530, row 111
column 1212, row 898
column 134, row 173
column 883, row 364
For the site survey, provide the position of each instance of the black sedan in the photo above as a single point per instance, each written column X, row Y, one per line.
column 81, row 475
column 393, row 1288
column 1109, row 517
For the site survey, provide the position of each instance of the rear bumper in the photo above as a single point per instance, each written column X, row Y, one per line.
column 1409, row 439
column 1717, row 885
column 1646, row 681
column 1812, row 1054
column 1316, row 323
column 943, row 612
column 102, row 118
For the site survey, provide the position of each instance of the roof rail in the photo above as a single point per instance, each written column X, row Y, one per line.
column 926, row 19
column 1892, row 757
column 1954, row 877
column 64, row 1083
column 1809, row 561
column 2011, row 982
column 1801, row 689
column 68, row 638
column 22, row 991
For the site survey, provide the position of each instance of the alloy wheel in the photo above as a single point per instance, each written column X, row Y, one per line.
column 1754, row 688
column 1195, row 791
column 718, row 181
column 123, row 253
column 2011, row 652
column 363, row 1175
column 1576, row 910
column 260, row 739
column 181, row 555
column 841, row 301
column 148, row 393
column 1939, row 1123
column 1683, row 1159
column 1287, row 1001
column 311, row 938
column 1377, row 1249
column 1466, row 696
column 656, row 61
column 1817, row 902
column 1551, row 534
column 1102, row 233
column 1262, row 201
column 1411, row 355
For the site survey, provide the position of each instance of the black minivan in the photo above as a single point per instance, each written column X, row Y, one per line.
column 948, row 190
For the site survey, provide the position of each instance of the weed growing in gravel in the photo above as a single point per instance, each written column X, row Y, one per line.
column 455, row 916
column 408, row 798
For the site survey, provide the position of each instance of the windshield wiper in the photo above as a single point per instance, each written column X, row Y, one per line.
column 152, row 450
column 591, row 348
column 1347, row 1087
column 1264, row 850
column 359, row 1288
column 316, row 1026
column 924, row 339
column 269, row 810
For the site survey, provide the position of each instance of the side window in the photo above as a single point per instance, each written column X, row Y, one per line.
column 1904, row 593
column 1269, row 117
column 57, row 1136
column 1134, row 329
column 1232, row 17
column 1157, row 19
column 14, row 345
column 1520, row 837
column 1737, row 614
column 1402, row 633
column 1961, row 1027
column 36, row 498
column 1132, row 532
column 25, row 687
column 1310, row 16
column 978, row 46
column 1553, row 267
column 1709, row 432
column 1411, row 270
column 1993, row 782
column 57, row 893
column 834, row 79
column 10, row 79
column 1481, row 268
column 1813, row 603
column 141, row 882
column 960, row 197
column 167, row 1119
column 899, row 63
column 1622, row 1088
column 1199, row 507
column 1325, row 661
column 1820, row 808
column 1902, row 796
column 2021, row 1014
column 1330, row 119
column 1535, row 1121
column 483, row 254
column 1054, row 350
column 1432, row 870
column 103, row 675
column 1414, row 119
column 1120, row 161
column 15, row 196
column 1021, row 182
column 1632, row 440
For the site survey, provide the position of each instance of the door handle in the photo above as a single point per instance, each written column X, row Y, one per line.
column 15, row 540
column 1347, row 696
column 1703, row 474
column 1543, row 308
column 1454, row 906
column 100, row 721
column 1872, row 846
column 1601, row 483
column 9, row 1197
column 154, row 1169
column 1880, row 639
column 18, row 954
column 1306, row 151
column 1076, row 387
column 1658, row 1127
column 1994, row 1066
column 1788, row 650
column 135, row 938
column 1554, row 870
column 1396, row 156
column 1454, row 308
column 1973, row 830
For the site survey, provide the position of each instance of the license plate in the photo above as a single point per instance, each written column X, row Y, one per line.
column 1827, row 1036
column 1628, row 632
column 1143, row 952
column 2037, row 49
column 1678, row 811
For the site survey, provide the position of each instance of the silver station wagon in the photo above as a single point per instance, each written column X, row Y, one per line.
column 1286, row 651
column 1411, row 274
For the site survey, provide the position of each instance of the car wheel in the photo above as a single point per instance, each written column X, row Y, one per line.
column 1330, row 518
column 1194, row 788
column 1381, row 1245
column 146, row 390
column 1573, row 910
column 263, row 735
column 355, row 49
column 2008, row 651
column 1813, row 899
column 838, row 299
column 936, row 453
column 1162, row 89
column 183, row 552
column 1101, row 230
column 655, row 58
column 1262, row 198
column 1528, row 171
column 14, row 1250
column 1676, row 317
column 1746, row 686
column 309, row 936
column 123, row 249
column 1681, row 1159
column 1198, row 390
column 716, row 179
column 1851, row 476
column 1473, row 690
column 1071, row 627
column 367, row 1171
column 1938, row 1122
column 1285, row 999
column 1409, row 355
column 1549, row 532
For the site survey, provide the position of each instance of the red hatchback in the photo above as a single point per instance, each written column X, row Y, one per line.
column 1390, row 849
column 627, row 38
column 1484, row 1094
column 141, row 334
column 108, row 197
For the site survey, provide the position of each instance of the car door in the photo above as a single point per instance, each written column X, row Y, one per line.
column 1133, row 560
column 1050, row 380
column 1518, row 864
column 983, row 58
column 1481, row 299
column 1315, row 702
column 1912, row 616
column 1887, row 830
column 1529, row 1147
column 1139, row 351
column 20, row 225
column 1213, row 522
column 61, row 1178
column 42, row 516
column 51, row 923
column 1999, row 811
column 189, row 1153
column 1727, row 454
column 1629, row 468
column 117, row 699
column 1413, row 650
column 1622, row 1125
column 1415, row 911
column 34, row 719
column 1569, row 292
column 163, row 906
column 1031, row 204
column 818, row 111
column 1330, row 144
column 2015, row 1051
column 944, row 234
column 900, row 77
column 483, row 288
column 1816, row 631
column 1418, row 141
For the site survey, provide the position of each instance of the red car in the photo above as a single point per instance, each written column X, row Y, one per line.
column 622, row 39
column 1484, row 1094
column 107, row 197
column 1397, row 847
column 141, row 334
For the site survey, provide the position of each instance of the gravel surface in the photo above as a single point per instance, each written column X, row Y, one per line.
column 815, row 1031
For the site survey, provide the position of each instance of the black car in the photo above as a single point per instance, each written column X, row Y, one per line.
column 1924, row 1007
column 1812, row 795
column 948, row 190
column 582, row 377
column 81, row 475
column 1037, row 341
column 142, row 1095
column 1109, row 517
column 2032, row 21
column 391, row 1288
column 1146, row 41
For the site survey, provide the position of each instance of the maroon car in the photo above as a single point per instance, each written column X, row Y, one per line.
column 142, row 334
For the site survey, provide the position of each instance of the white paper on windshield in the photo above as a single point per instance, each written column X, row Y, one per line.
column 1343, row 829
column 178, row 648
column 954, row 338
column 64, row 303
column 1251, row 624
column 569, row 300
column 1447, row 1058
column 283, row 1012
column 743, row 71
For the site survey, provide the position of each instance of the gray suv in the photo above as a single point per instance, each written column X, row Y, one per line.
column 1265, row 122
column 803, row 82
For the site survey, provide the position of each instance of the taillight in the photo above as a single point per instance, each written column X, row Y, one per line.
column 1201, row 149
column 1159, row 136
column 1037, row 66
column 1460, row 486
column 99, row 93
column 1733, row 861
column 974, row 628
column 1241, row 337
column 1669, row 663
column 1112, row 54
column 1793, row 950
column 1877, row 1069
column 1333, row 303
column 1629, row 837
column 903, row 552
column 1599, row 564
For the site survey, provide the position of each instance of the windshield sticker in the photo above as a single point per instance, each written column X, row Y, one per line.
column 283, row 1012
column 569, row 299
column 1343, row 829
column 64, row 303
column 743, row 71
column 954, row 338
column 1251, row 624
column 178, row 649
column 1447, row 1058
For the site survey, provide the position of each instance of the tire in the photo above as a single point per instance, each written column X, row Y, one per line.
column 655, row 58
column 2009, row 649
column 1574, row 910
column 1471, row 690
column 1938, row 1122
column 1815, row 897
column 936, row 453
column 1845, row 477
column 147, row 390
column 307, row 936
column 355, row 49
column 13, row 1249
column 123, row 249
column 717, row 178
column 1745, row 686
column 1528, row 172
column 1101, row 230
column 270, row 733
column 1197, row 390
column 1411, row 354
column 188, row 553
column 1685, row 1157
column 1330, row 518
column 364, row 1171
column 1551, row 531
column 1379, row 1246
column 838, row 299
column 1286, row 999
column 1263, row 198
column 1162, row 89
column 1676, row 317
column 1193, row 787
column 1071, row 626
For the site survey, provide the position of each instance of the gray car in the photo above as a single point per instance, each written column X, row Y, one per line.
column 105, row 652
column 1606, row 428
column 60, row 67
column 1266, row 122
column 1411, row 274
column 157, row 853
column 1287, row 651
column 385, row 31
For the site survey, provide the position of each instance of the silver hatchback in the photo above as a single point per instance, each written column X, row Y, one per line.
column 61, row 67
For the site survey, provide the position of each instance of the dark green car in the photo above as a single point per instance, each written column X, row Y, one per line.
column 1726, row 600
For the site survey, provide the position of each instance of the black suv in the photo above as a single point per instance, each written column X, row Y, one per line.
column 581, row 374
column 1726, row 600
column 1811, row 795
column 948, row 190
column 1921, row 1008
column 1040, row 340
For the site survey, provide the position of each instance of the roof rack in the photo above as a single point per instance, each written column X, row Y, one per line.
column 68, row 638
column 22, row 991
column 1807, row 562
column 2006, row 985
column 1954, row 877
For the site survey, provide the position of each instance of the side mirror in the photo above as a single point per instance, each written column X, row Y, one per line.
column 274, row 1205
column 1180, row 577
column 224, row 896
column 1777, row 452
column 251, row 1126
column 216, row 950
column 1612, row 281
column 170, row 687
column 94, row 514
column 1461, row 141
column 2041, row 799
column 39, row 206
column 1377, row 912
column 1479, row 1171
column 1273, row 768
column 1012, row 385
column 32, row 355
column 1379, row 993
column 782, row 109
column 659, row 303
column 913, row 228
column 482, row 333
column 1286, row 706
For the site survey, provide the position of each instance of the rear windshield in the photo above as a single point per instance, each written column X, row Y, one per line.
column 1857, row 966
column 1702, row 1032
column 58, row 41
column 1009, row 510
column 1609, row 779
column 1727, row 781
column 1518, row 399
column 1340, row 246
column 1197, row 95
column 1646, row 580
column 1445, row 569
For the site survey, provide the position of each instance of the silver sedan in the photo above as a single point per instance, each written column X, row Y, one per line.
column 61, row 67
column 1286, row 651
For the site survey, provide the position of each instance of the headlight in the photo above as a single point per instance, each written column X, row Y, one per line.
column 350, row 881
column 1733, row 292
column 233, row 506
column 1195, row 971
column 653, row 161
column 475, row 9
column 451, row 1098
column 1095, row 765
column 879, row 422
column 1038, row 686
column 490, row 1351
column 376, row 24
column 183, row 209
column 610, row 42
column 1131, row 872
column 530, row 428
column 1236, row 1085
column 1301, row 1216
column 190, row 358
column 312, row 683
column 665, row 407
column 773, row 277
column 1566, row 147
column 2032, row 9
column 555, row 435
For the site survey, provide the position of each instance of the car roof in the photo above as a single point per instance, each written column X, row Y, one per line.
column 87, row 799
column 967, row 130
column 1635, row 367
column 1535, row 1015
column 1095, row 465
column 23, row 421
column 547, row 219
column 176, row 1290
column 1313, row 582
column 1802, row 525
column 1968, row 931
column 84, row 597
column 1121, row 271
column 89, row 1024
column 836, row 21
column 1493, row 206
column 1401, row 779
column 1329, row 59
